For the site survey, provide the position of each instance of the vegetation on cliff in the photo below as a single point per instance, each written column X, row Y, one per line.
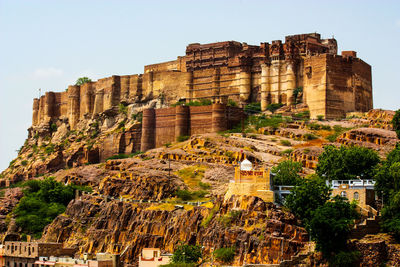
column 82, row 80
column 43, row 201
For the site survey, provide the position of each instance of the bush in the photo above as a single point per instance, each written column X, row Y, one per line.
column 24, row 162
column 263, row 121
column 305, row 115
column 225, row 255
column 309, row 136
column 124, row 156
column 204, row 186
column 232, row 216
column 320, row 117
column 286, row 173
column 286, row 143
column 123, row 109
column 182, row 138
column 253, row 108
column 345, row 259
column 138, row 116
column 187, row 254
column 232, row 103
column 274, row 106
column 49, row 148
column 287, row 151
column 186, row 195
column 53, row 127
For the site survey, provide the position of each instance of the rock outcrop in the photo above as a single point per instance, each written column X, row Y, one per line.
column 260, row 232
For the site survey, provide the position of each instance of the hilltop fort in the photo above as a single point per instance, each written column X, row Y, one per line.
column 331, row 84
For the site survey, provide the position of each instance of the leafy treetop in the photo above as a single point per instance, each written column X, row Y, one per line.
column 82, row 80
column 346, row 163
column 287, row 173
column 396, row 123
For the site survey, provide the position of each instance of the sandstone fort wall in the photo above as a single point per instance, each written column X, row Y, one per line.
column 162, row 126
column 268, row 73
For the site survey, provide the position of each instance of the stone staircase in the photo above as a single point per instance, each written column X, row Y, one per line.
column 367, row 226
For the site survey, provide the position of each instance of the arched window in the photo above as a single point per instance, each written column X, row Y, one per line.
column 343, row 194
column 356, row 196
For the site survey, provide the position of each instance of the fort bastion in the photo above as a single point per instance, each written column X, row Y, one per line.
column 332, row 84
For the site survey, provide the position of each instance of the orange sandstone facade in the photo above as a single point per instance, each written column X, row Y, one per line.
column 269, row 73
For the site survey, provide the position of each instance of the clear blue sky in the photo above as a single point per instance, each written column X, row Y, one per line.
column 49, row 44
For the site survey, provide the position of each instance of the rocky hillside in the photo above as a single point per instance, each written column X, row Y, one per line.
column 136, row 202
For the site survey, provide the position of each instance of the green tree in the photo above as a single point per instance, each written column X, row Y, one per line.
column 286, row 173
column 43, row 201
column 82, row 80
column 346, row 163
column 387, row 187
column 187, row 254
column 296, row 93
column 306, row 197
column 396, row 123
column 330, row 225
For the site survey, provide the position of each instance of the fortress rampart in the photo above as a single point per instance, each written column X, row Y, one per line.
column 269, row 73
column 162, row 126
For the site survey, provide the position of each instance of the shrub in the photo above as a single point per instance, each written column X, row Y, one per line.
column 138, row 116
column 49, row 148
column 274, row 106
column 287, row 151
column 123, row 109
column 207, row 220
column 286, row 143
column 232, row 103
column 225, row 255
column 296, row 93
column 24, row 162
column 186, row 195
column 182, row 138
column 122, row 124
column 124, row 156
column 320, row 117
column 167, row 145
column 187, row 254
column 204, row 186
column 305, row 115
column 253, row 108
column 232, row 216
column 309, row 136
column 53, row 127
column 345, row 259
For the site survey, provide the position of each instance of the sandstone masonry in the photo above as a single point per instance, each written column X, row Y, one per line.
column 332, row 85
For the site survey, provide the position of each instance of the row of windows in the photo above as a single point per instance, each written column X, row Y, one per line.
column 356, row 196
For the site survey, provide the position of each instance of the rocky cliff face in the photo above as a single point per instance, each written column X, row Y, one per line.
column 259, row 231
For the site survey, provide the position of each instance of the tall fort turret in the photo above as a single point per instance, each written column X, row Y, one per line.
column 332, row 84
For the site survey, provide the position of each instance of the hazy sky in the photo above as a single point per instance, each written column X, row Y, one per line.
column 49, row 44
